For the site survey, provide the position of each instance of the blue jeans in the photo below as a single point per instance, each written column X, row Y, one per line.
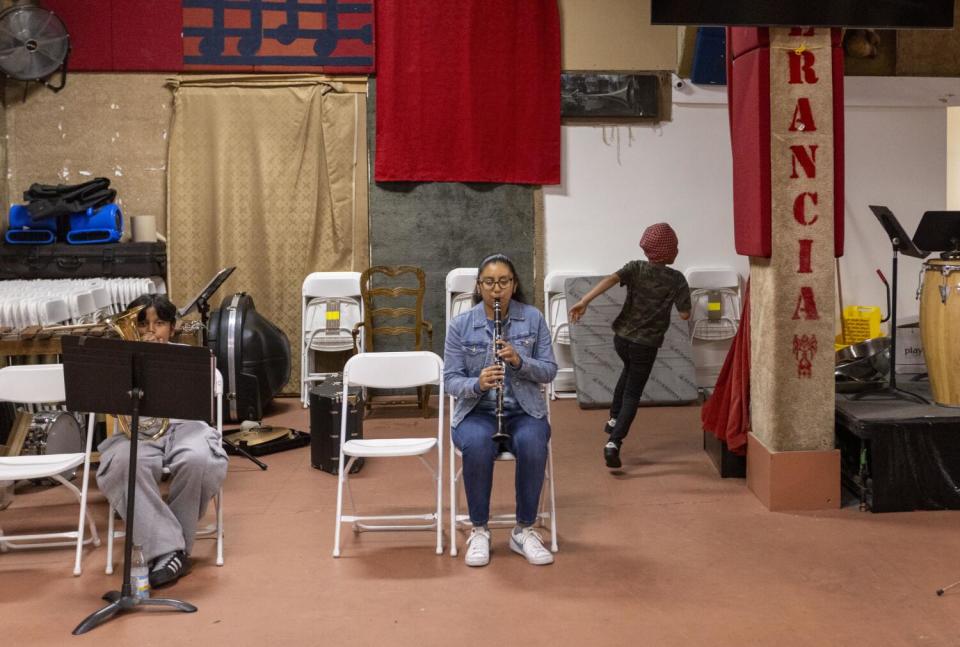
column 528, row 442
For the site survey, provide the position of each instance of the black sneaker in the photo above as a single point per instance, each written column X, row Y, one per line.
column 611, row 454
column 608, row 426
column 169, row 568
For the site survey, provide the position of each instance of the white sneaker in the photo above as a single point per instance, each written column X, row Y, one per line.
column 478, row 548
column 528, row 543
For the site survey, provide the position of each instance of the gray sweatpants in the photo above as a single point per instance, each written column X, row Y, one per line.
column 198, row 465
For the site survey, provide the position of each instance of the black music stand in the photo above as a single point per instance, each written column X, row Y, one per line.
column 939, row 231
column 202, row 301
column 136, row 378
column 901, row 243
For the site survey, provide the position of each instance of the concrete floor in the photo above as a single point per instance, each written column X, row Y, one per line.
column 663, row 553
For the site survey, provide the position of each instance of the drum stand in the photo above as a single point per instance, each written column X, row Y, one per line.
column 900, row 241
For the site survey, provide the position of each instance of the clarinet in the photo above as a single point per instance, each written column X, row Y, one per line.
column 500, row 436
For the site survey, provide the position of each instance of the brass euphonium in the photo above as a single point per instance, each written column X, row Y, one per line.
column 125, row 325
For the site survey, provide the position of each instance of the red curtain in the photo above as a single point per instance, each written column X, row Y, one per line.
column 468, row 91
column 727, row 413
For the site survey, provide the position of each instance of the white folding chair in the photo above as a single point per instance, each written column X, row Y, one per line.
column 330, row 307
column 555, row 301
column 390, row 371
column 40, row 384
column 214, row 530
column 715, row 299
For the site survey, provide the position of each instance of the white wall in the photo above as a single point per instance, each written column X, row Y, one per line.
column 618, row 180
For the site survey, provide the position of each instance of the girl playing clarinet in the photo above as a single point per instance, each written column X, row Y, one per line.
column 485, row 387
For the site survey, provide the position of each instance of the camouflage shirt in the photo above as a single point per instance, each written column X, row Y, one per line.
column 652, row 290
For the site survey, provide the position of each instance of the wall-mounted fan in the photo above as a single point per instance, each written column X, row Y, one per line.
column 34, row 44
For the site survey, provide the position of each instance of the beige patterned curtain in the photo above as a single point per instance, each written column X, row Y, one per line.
column 268, row 173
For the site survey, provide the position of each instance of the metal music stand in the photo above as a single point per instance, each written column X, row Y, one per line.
column 939, row 231
column 202, row 301
column 136, row 379
column 901, row 243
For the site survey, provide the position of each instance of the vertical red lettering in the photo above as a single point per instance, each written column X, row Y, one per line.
column 806, row 248
column 807, row 160
column 806, row 305
column 801, row 66
column 800, row 211
column 802, row 117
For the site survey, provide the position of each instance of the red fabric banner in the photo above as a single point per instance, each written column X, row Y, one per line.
column 218, row 35
column 727, row 413
column 468, row 91
column 122, row 35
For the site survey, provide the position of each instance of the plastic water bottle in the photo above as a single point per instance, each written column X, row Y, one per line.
column 139, row 574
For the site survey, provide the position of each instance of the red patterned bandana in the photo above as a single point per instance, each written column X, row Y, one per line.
column 659, row 243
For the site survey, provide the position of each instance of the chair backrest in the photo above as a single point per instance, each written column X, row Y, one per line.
column 331, row 284
column 331, row 306
column 554, row 294
column 33, row 384
column 460, row 285
column 395, row 370
column 380, row 319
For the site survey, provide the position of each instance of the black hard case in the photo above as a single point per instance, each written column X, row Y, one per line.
column 65, row 261
column 326, row 400
column 258, row 365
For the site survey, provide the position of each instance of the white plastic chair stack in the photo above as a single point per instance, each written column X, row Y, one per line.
column 331, row 306
column 390, row 371
column 459, row 287
column 41, row 384
column 214, row 530
column 48, row 302
column 714, row 319
column 555, row 302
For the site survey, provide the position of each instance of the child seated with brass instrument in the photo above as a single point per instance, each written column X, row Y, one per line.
column 192, row 451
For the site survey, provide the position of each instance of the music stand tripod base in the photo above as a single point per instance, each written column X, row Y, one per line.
column 119, row 602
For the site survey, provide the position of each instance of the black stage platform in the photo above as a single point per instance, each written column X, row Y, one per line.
column 898, row 455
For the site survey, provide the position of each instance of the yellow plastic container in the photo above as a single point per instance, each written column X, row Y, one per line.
column 859, row 323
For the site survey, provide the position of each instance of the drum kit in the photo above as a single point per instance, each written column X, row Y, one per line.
column 54, row 432
column 44, row 433
column 871, row 365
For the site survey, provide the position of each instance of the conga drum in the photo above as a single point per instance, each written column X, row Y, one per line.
column 940, row 328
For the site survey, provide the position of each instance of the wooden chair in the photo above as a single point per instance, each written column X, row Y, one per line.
column 394, row 311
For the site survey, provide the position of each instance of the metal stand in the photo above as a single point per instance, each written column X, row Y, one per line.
column 899, row 241
column 124, row 600
column 136, row 378
column 947, row 588
column 233, row 447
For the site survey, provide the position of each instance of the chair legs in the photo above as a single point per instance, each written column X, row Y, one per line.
column 435, row 517
column 77, row 538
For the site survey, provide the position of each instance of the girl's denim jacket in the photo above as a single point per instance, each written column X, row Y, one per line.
column 468, row 349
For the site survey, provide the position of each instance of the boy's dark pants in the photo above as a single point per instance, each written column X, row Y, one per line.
column 637, row 363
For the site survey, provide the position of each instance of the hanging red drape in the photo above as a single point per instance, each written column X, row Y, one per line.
column 468, row 91
column 727, row 413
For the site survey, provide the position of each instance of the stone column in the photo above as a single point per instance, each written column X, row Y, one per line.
column 791, row 460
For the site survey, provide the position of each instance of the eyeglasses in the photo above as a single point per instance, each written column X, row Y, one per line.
column 488, row 283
